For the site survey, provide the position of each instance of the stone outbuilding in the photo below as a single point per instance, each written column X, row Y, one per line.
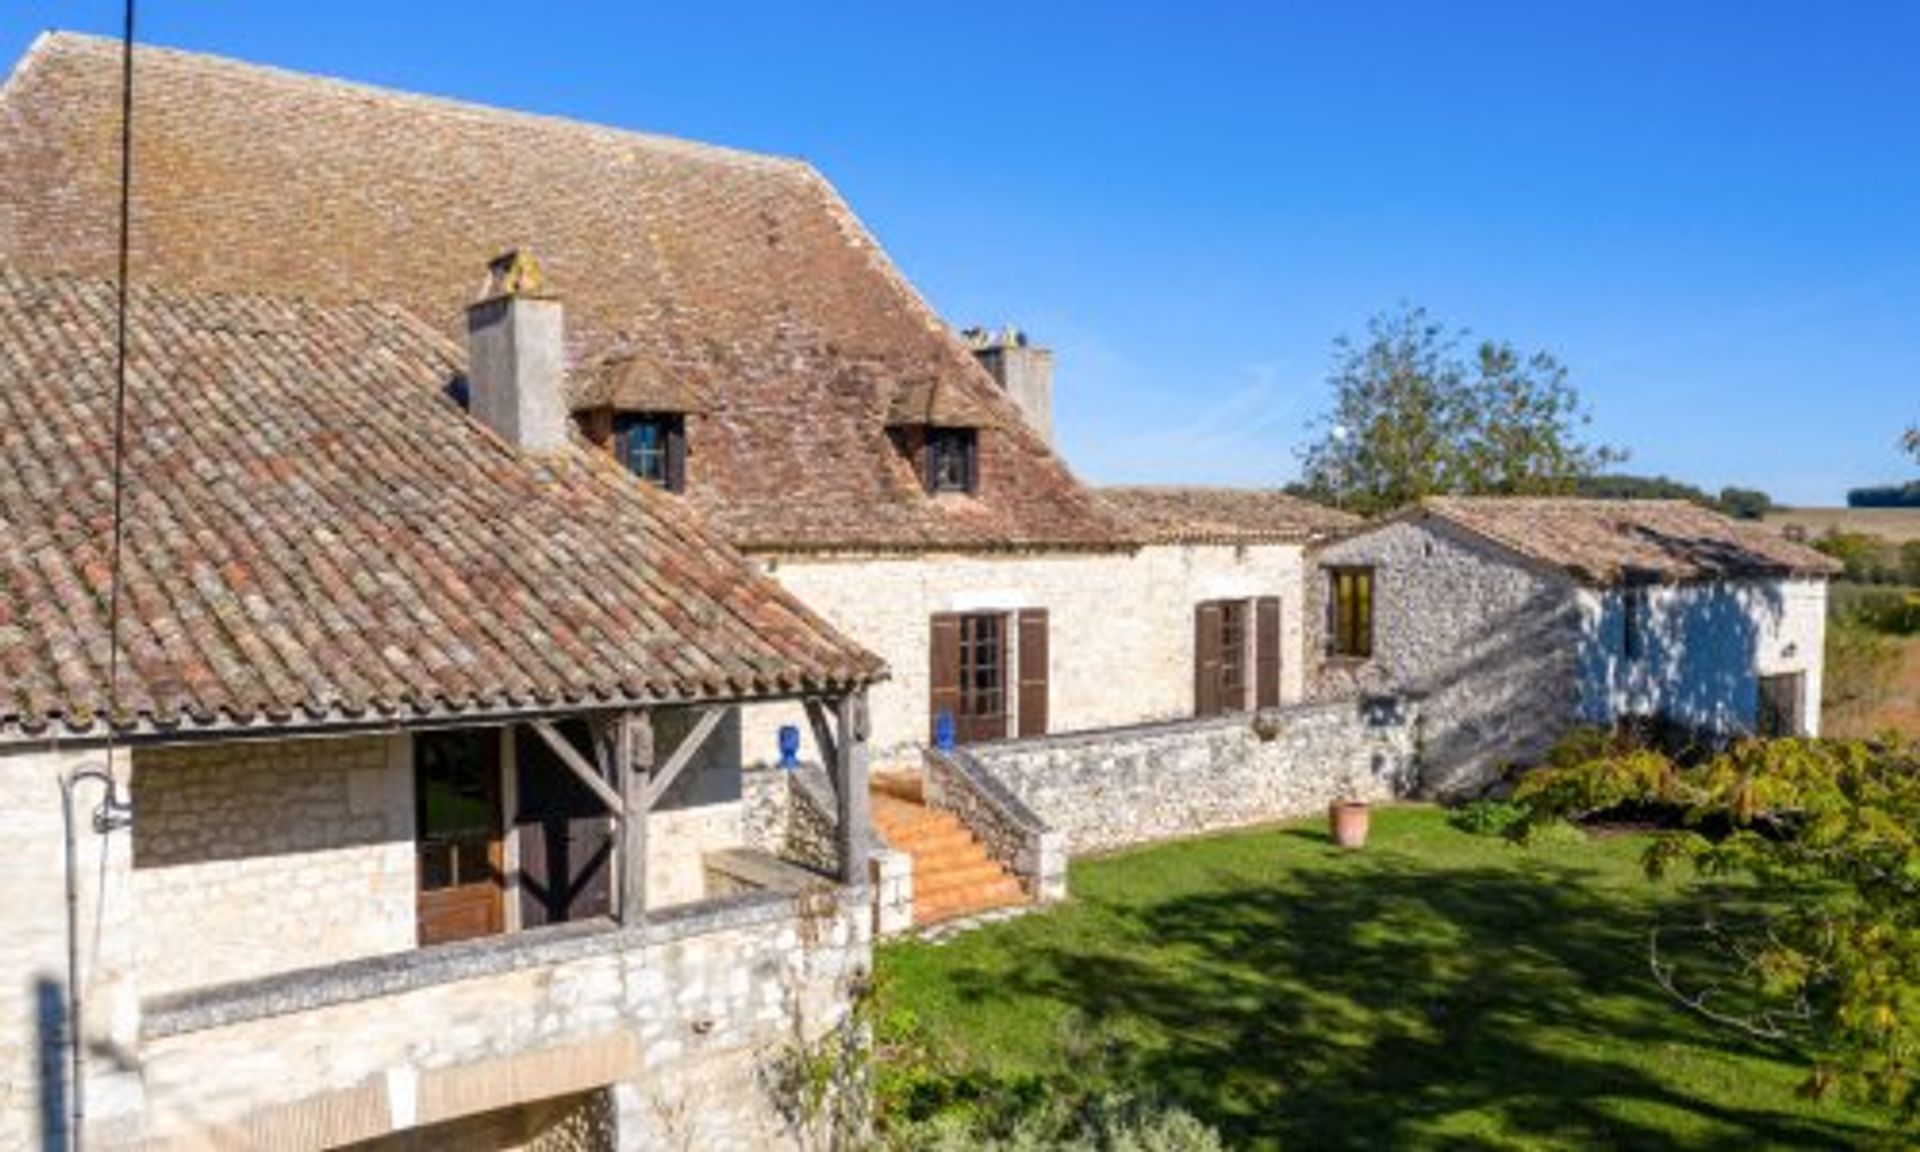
column 1511, row 619
column 408, row 814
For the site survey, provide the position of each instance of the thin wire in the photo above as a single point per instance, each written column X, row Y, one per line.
column 120, row 379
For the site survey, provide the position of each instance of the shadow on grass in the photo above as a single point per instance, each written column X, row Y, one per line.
column 1383, row 1004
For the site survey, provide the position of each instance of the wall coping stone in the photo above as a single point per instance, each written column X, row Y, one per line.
column 305, row 990
column 1186, row 725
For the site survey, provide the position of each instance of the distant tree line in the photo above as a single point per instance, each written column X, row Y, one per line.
column 1741, row 503
column 1886, row 496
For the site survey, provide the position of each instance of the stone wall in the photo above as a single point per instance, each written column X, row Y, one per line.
column 791, row 814
column 1106, row 790
column 684, row 1017
column 254, row 858
column 1106, row 667
column 1486, row 640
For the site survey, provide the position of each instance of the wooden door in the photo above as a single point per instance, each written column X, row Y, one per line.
column 565, row 834
column 457, row 834
column 1782, row 706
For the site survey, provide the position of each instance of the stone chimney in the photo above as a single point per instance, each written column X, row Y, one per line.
column 516, row 356
column 1024, row 371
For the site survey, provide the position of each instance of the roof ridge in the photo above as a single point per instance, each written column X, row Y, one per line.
column 61, row 40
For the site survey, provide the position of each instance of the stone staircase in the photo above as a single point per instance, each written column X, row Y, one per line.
column 952, row 874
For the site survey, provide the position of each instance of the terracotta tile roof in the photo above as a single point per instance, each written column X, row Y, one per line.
column 316, row 532
column 1228, row 515
column 744, row 275
column 1604, row 541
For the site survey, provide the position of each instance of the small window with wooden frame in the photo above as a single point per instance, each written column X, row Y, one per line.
column 1350, row 613
column 1236, row 655
column 953, row 460
column 651, row 445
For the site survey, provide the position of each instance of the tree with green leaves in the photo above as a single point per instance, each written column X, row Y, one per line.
column 1413, row 417
column 1819, row 948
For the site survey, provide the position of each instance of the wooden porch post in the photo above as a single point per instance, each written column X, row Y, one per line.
column 635, row 753
column 850, row 780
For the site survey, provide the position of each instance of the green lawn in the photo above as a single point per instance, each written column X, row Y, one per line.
column 1438, row 990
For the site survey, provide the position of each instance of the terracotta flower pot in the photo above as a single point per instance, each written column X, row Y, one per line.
column 1348, row 820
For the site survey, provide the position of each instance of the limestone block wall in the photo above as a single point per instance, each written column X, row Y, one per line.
column 258, row 857
column 1112, row 789
column 1704, row 648
column 1120, row 627
column 684, row 1019
column 1487, row 640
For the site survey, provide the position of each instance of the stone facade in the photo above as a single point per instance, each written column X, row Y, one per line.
column 1505, row 653
column 1106, row 667
column 1107, row 790
column 282, row 873
column 251, row 859
column 1486, row 640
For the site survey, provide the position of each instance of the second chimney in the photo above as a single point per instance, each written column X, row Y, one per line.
column 516, row 356
column 1024, row 371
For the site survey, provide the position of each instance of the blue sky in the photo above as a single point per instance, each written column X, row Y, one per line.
column 1709, row 211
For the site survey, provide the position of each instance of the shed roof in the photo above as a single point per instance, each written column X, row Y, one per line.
column 316, row 533
column 1610, row 541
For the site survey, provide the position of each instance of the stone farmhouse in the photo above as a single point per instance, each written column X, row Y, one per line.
column 510, row 494
column 1512, row 619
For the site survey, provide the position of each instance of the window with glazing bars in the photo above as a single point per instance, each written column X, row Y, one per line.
column 1350, row 606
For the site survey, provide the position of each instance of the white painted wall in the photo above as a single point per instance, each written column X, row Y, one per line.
column 1120, row 627
column 1706, row 647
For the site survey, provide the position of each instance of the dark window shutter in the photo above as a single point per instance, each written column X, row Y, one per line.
column 1207, row 641
column 1033, row 672
column 945, row 669
column 1266, row 652
column 677, row 455
column 596, row 424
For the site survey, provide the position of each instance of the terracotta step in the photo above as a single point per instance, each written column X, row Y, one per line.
column 967, row 879
column 898, row 785
column 925, row 838
column 952, row 874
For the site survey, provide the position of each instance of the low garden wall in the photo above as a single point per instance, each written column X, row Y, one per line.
column 1122, row 786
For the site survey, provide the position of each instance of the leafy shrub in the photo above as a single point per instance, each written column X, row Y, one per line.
column 1488, row 817
column 1829, row 831
column 929, row 1098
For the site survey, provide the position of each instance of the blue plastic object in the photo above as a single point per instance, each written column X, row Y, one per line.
column 789, row 746
column 943, row 731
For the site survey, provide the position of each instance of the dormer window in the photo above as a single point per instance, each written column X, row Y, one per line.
column 953, row 460
column 651, row 445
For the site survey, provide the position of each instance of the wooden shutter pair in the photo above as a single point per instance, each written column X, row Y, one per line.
column 1209, row 650
column 1030, row 636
